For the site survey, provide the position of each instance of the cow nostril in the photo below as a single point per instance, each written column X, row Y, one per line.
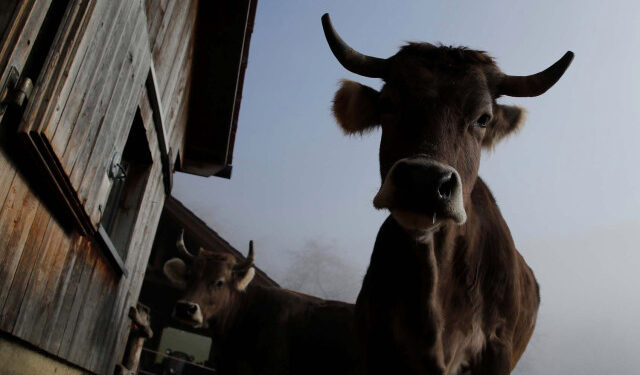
column 446, row 186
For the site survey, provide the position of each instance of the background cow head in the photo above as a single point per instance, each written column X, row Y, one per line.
column 437, row 110
column 211, row 281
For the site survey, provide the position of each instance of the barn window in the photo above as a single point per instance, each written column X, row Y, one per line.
column 129, row 174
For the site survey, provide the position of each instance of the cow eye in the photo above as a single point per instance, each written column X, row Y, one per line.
column 216, row 284
column 483, row 120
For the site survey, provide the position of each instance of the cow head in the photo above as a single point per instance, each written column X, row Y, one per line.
column 211, row 281
column 437, row 110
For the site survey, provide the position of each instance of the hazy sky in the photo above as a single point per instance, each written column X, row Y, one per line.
column 568, row 184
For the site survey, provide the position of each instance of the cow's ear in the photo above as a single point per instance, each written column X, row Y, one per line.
column 355, row 107
column 176, row 271
column 507, row 119
column 243, row 280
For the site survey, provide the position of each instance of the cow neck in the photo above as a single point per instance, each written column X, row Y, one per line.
column 238, row 311
column 449, row 250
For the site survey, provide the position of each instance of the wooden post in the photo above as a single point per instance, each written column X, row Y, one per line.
column 140, row 331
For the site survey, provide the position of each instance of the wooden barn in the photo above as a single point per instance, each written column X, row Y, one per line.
column 101, row 101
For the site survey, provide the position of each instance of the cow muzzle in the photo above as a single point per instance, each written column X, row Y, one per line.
column 188, row 313
column 422, row 193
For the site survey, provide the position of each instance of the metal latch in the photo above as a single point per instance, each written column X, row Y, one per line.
column 15, row 90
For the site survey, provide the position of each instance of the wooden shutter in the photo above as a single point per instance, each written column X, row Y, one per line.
column 85, row 99
column 20, row 22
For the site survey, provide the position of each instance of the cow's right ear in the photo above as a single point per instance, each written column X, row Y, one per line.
column 176, row 271
column 355, row 107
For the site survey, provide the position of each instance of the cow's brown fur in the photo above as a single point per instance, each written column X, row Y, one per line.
column 266, row 330
column 448, row 298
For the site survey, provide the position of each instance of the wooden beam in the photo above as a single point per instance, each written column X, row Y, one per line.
column 159, row 122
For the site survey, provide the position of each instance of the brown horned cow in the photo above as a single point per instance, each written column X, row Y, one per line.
column 446, row 291
column 258, row 329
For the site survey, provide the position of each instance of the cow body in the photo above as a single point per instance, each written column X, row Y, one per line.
column 446, row 291
column 460, row 298
column 275, row 331
column 258, row 329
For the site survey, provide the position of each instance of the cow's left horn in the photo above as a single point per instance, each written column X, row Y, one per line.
column 248, row 262
column 535, row 84
column 351, row 59
column 182, row 249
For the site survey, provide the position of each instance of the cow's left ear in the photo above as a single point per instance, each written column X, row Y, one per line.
column 355, row 107
column 176, row 271
column 506, row 120
column 243, row 280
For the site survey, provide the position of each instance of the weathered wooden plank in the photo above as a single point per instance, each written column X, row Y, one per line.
column 99, row 337
column 144, row 106
column 48, row 290
column 179, row 126
column 163, row 57
column 69, row 319
column 11, row 305
column 87, row 81
column 30, row 317
column 84, row 129
column 186, row 39
column 7, row 174
column 154, row 10
column 16, row 22
column 19, row 37
column 122, row 83
column 179, row 95
column 162, row 29
column 7, row 9
column 15, row 220
column 51, row 118
column 95, row 183
column 101, row 285
column 59, row 61
column 76, row 262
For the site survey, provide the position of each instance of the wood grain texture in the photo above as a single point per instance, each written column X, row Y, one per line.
column 76, row 107
column 57, row 290
column 16, row 218
column 9, row 310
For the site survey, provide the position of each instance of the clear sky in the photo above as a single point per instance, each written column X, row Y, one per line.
column 568, row 184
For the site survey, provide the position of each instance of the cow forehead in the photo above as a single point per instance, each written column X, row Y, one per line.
column 212, row 265
column 438, row 72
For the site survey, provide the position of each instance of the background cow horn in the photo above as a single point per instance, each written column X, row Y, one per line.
column 245, row 264
column 535, row 84
column 351, row 59
column 182, row 249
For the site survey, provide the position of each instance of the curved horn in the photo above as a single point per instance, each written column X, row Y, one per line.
column 351, row 59
column 182, row 249
column 535, row 84
column 248, row 262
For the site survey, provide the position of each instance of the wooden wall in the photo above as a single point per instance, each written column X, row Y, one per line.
column 57, row 290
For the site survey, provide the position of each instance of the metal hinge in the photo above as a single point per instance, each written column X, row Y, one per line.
column 15, row 90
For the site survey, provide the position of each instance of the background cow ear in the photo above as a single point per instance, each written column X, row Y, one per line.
column 507, row 119
column 176, row 271
column 244, row 280
column 355, row 107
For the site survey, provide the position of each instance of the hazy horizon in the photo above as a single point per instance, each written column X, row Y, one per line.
column 566, row 184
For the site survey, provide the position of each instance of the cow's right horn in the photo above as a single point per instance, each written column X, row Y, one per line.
column 351, row 59
column 182, row 249
column 248, row 262
column 535, row 84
